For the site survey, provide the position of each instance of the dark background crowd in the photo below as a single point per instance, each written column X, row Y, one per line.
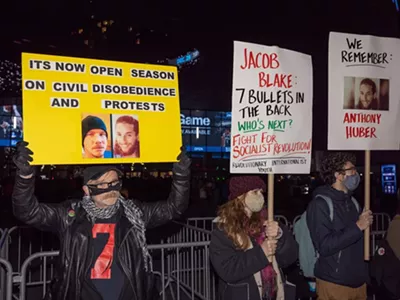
column 292, row 194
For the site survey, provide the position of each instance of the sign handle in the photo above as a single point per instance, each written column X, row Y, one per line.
column 271, row 205
column 367, row 201
column 270, row 197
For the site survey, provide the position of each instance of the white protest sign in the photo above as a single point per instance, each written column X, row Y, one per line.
column 364, row 92
column 271, row 110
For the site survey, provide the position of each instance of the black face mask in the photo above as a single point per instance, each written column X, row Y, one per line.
column 112, row 186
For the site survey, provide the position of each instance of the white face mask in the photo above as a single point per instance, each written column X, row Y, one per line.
column 254, row 201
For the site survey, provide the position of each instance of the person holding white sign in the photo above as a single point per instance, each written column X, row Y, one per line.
column 336, row 224
column 244, row 246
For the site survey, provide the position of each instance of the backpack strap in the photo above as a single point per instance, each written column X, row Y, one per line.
column 329, row 203
column 356, row 203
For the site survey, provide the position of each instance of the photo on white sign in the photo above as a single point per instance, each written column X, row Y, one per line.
column 363, row 92
column 366, row 93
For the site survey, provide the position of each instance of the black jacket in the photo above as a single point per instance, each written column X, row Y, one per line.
column 75, row 239
column 236, row 268
column 385, row 272
column 340, row 243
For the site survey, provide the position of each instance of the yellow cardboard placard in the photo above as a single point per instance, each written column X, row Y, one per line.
column 86, row 111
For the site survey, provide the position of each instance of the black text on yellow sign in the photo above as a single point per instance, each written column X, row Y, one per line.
column 84, row 111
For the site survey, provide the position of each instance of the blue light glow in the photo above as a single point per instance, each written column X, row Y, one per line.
column 396, row 2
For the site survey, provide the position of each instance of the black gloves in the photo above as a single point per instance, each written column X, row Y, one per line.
column 22, row 159
column 182, row 167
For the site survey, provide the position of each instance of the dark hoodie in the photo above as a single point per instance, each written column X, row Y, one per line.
column 340, row 242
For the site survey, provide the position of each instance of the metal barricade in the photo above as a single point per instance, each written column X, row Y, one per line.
column 23, row 241
column 381, row 222
column 2, row 238
column 26, row 241
column 6, row 290
column 189, row 234
column 202, row 223
column 24, row 281
column 376, row 237
column 296, row 218
column 188, row 267
column 18, row 249
column 184, row 269
column 208, row 223
column 3, row 271
column 283, row 220
column 19, row 244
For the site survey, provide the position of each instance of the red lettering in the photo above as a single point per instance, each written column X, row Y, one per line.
column 252, row 61
column 250, row 150
column 346, row 118
column 259, row 60
column 274, row 59
column 102, row 266
column 293, row 147
column 265, row 61
column 268, row 138
column 373, row 130
column 244, row 139
column 360, row 132
column 277, row 80
column 362, row 118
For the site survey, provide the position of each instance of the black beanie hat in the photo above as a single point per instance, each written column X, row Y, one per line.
column 92, row 122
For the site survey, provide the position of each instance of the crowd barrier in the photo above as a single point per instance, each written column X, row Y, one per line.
column 183, row 270
column 208, row 224
column 181, row 260
column 6, row 270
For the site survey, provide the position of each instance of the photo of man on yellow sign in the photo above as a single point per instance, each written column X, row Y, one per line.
column 85, row 111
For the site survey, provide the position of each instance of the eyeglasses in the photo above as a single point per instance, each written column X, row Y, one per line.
column 352, row 170
column 104, row 185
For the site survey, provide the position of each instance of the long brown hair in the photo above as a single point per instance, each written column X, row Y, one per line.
column 236, row 224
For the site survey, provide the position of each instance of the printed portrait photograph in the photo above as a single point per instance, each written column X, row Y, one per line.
column 96, row 135
column 366, row 93
column 125, row 136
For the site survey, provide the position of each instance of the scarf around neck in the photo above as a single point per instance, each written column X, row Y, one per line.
column 132, row 213
column 268, row 274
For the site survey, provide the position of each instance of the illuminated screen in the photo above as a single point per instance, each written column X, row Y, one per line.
column 389, row 180
column 11, row 127
column 396, row 2
column 206, row 131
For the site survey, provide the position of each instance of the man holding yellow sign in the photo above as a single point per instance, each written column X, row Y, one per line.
column 90, row 110
column 103, row 253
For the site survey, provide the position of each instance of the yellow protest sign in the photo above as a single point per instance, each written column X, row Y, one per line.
column 85, row 111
